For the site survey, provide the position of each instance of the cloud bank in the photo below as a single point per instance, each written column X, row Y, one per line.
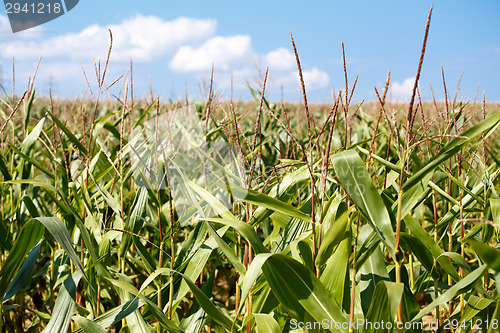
column 183, row 46
column 402, row 91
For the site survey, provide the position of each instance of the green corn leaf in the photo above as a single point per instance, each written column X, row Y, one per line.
column 65, row 305
column 453, row 147
column 207, row 305
column 299, row 291
column 414, row 195
column 110, row 200
column 30, row 140
column 266, row 201
column 335, row 276
column 305, row 253
column 60, row 233
column 3, row 168
column 462, row 186
column 191, row 245
column 265, row 323
column 215, row 204
column 424, row 237
column 334, row 235
column 135, row 321
column 455, row 290
column 29, row 235
column 24, row 273
column 195, row 322
column 459, row 260
column 28, row 108
column 467, row 201
column 196, row 265
column 284, row 191
column 384, row 305
column 196, row 317
column 228, row 252
column 487, row 254
column 495, row 210
column 134, row 219
column 254, row 271
column 372, row 272
column 87, row 325
column 246, row 230
column 30, row 206
column 70, row 135
column 147, row 259
column 367, row 247
column 115, row 315
column 124, row 286
column 66, row 206
column 381, row 160
column 413, row 245
column 112, row 129
column 202, row 299
column 31, row 161
column 351, row 172
column 474, row 306
column 144, row 114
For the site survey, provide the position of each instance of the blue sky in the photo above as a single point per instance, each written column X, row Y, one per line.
column 173, row 44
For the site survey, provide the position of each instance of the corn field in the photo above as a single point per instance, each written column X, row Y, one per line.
column 128, row 215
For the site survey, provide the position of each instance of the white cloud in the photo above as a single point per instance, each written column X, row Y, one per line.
column 290, row 80
column 62, row 71
column 142, row 38
column 221, row 51
column 315, row 79
column 188, row 45
column 231, row 58
column 280, row 59
column 4, row 24
column 402, row 91
column 7, row 35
